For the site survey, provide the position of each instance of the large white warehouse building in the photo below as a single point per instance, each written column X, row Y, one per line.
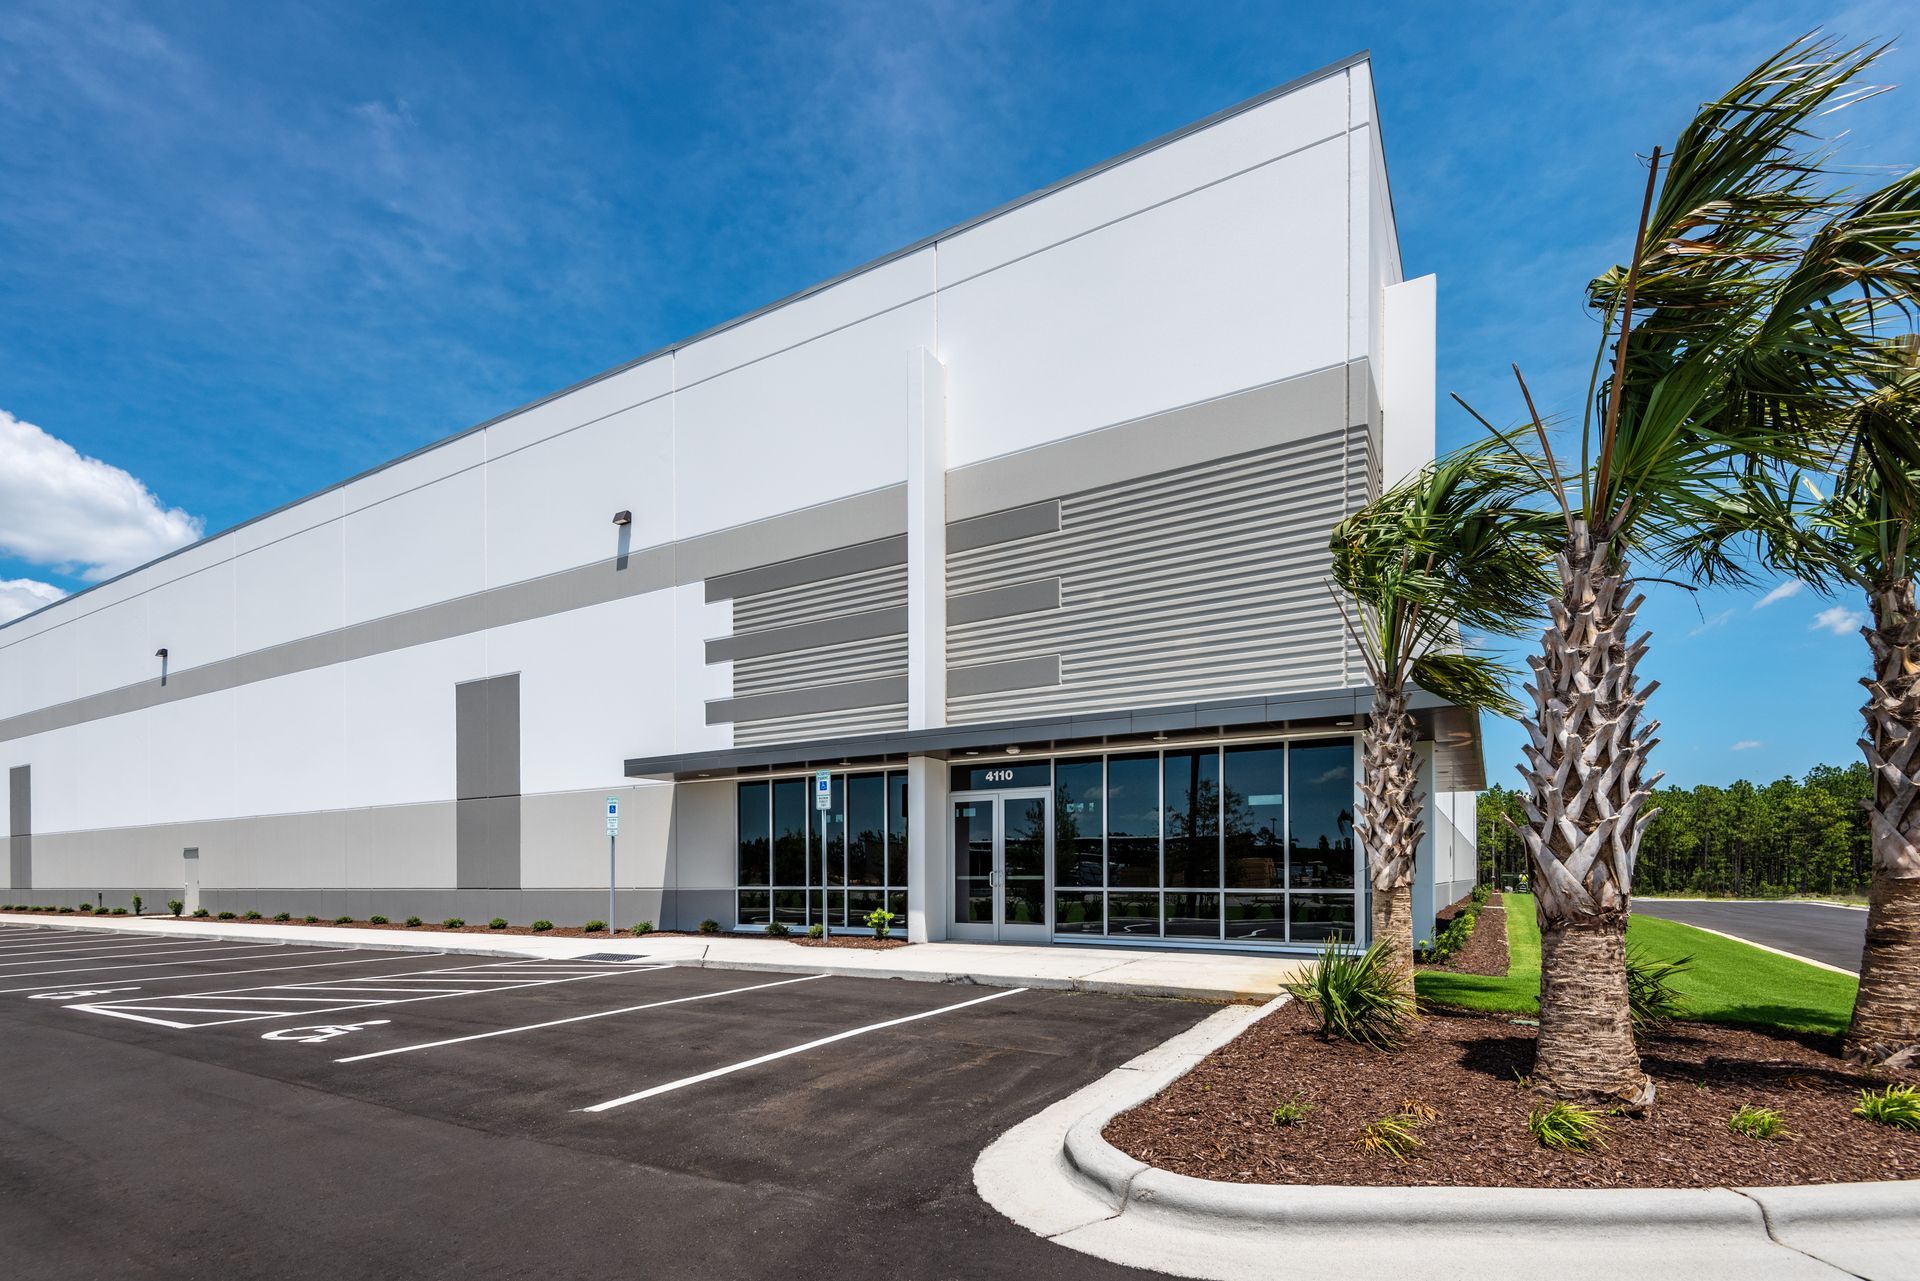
column 1019, row 534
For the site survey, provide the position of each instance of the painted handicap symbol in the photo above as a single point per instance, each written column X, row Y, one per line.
column 321, row 1032
column 78, row 993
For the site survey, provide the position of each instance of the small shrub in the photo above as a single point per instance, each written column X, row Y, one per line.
column 136, row 905
column 311, row 920
column 777, row 929
column 175, row 906
column 497, row 923
column 1418, row 1110
column 641, row 928
column 201, row 912
column 376, row 920
column 709, row 926
column 84, row 909
column 594, row 927
column 343, row 920
column 1361, row 997
column 452, row 923
column 1392, row 1135
column 1292, row 1112
column 250, row 915
column 1897, row 1105
column 1752, row 1122
column 541, row 927
column 1651, row 997
column 1566, row 1127
column 283, row 916
column 412, row 921
column 226, row 916
column 66, row 911
column 816, row 931
column 119, row 911
column 880, row 921
column 1481, row 892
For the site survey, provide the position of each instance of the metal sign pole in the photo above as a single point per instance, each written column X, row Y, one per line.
column 613, row 842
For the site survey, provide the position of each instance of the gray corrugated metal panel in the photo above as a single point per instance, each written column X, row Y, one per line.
column 1242, row 422
column 20, row 800
column 800, row 702
column 837, row 665
column 825, row 727
column 992, row 678
column 1003, row 526
column 1003, row 602
column 818, row 567
column 1337, row 706
column 881, row 588
column 486, row 719
column 803, row 636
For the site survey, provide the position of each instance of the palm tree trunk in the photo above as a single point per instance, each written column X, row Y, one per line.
column 1886, row 1013
column 1390, row 823
column 1586, row 809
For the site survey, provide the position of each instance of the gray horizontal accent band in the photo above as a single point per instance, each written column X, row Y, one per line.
column 800, row 702
column 1003, row 526
column 1240, row 423
column 877, row 514
column 1003, row 602
column 802, row 636
column 838, row 563
column 1015, row 673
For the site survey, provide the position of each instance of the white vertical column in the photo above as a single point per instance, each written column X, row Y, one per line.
column 926, row 540
column 1407, row 389
column 929, row 860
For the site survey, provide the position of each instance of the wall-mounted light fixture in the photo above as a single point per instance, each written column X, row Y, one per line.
column 1013, row 751
column 623, row 518
column 161, row 652
column 1343, row 724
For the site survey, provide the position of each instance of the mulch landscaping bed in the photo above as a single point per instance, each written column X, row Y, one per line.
column 1216, row 1122
column 557, row 932
column 1486, row 949
column 849, row 940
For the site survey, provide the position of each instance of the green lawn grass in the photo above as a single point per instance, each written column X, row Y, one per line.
column 1729, row 982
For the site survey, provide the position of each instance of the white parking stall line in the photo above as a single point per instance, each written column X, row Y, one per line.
column 730, row 1069
column 294, row 995
column 89, row 941
column 223, row 954
column 198, row 974
column 104, row 954
column 578, row 1018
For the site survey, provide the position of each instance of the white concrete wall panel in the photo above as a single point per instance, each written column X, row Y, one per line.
column 694, row 679
column 291, row 587
column 611, row 395
column 189, row 753
column 426, row 545
column 1224, row 289
column 550, row 506
column 397, row 712
column 290, row 744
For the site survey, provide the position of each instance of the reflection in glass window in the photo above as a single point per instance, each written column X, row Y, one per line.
column 1133, row 822
column 866, row 830
column 1257, row 916
column 790, row 831
column 1256, row 794
column 1317, row 917
column 834, row 862
column 1133, row 914
column 1193, row 915
column 755, row 859
column 897, row 832
column 1078, row 820
column 1079, row 912
column 753, row 907
column 1320, row 829
column 1193, row 818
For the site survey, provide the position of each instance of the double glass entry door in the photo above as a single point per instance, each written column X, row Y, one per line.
column 1000, row 845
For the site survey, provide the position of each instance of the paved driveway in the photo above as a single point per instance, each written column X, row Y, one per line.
column 172, row 1108
column 1819, row 931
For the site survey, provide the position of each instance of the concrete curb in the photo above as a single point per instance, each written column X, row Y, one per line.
column 690, row 953
column 1056, row 1175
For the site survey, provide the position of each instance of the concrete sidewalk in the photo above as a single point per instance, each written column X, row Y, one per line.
column 1197, row 976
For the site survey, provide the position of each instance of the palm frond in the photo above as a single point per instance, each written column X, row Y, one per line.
column 1468, row 680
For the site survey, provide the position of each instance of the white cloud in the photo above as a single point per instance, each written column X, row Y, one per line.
column 1785, row 591
column 23, row 595
column 76, row 514
column 1708, row 624
column 1839, row 620
column 1746, row 745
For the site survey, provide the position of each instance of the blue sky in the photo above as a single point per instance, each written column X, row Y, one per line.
column 249, row 249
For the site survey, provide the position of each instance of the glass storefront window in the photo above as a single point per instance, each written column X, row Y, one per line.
column 790, row 813
column 1260, row 917
column 756, row 849
column 1133, row 913
column 867, row 830
column 897, row 836
column 1079, row 819
column 1256, row 813
column 1320, row 828
column 754, row 907
column 1318, row 917
column 1079, row 913
column 1192, row 792
column 1193, row 915
column 1133, row 822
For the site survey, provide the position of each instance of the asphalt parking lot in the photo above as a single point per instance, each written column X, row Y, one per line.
column 1821, row 931
column 173, row 1108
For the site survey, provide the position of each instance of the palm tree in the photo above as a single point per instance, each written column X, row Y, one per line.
column 1452, row 547
column 1859, row 534
column 1729, row 328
